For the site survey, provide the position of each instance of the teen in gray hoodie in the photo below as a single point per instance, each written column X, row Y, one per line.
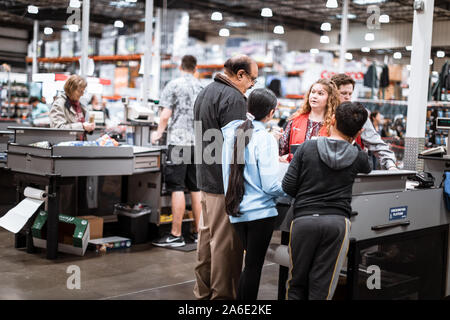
column 320, row 178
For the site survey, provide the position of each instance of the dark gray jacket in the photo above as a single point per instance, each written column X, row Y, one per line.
column 216, row 105
column 321, row 176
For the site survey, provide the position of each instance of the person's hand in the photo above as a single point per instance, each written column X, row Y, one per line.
column 87, row 126
column 155, row 136
column 277, row 133
column 284, row 158
column 393, row 168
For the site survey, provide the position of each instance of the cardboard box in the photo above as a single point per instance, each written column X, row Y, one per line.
column 109, row 243
column 73, row 233
column 95, row 226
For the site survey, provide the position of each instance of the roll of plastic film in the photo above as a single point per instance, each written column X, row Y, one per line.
column 33, row 193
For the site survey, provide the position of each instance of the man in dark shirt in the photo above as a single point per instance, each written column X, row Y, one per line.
column 320, row 177
column 219, row 251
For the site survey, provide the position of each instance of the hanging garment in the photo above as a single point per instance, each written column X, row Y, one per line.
column 370, row 78
column 384, row 77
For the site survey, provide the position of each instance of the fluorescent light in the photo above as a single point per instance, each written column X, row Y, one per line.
column 365, row 49
column 348, row 56
column 369, row 36
column 409, row 48
column 33, row 9
column 430, row 62
column 440, row 54
column 349, row 16
column 224, row 32
column 75, row 4
column 216, row 16
column 266, row 12
column 397, row 55
column 118, row 24
column 326, row 26
column 364, row 2
column 324, row 39
column 384, row 18
column 235, row 24
column 48, row 30
column 278, row 30
column 314, row 51
column 332, row 4
column 73, row 27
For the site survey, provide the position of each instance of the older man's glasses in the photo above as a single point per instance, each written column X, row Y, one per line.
column 253, row 79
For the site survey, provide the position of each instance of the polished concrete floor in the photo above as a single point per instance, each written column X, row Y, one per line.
column 143, row 272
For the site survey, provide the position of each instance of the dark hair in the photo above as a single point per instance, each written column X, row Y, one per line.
column 350, row 118
column 342, row 79
column 33, row 100
column 188, row 63
column 233, row 65
column 373, row 115
column 260, row 103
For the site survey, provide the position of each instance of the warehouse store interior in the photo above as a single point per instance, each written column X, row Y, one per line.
column 88, row 207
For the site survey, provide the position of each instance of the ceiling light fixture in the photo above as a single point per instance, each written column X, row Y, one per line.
column 440, row 54
column 75, row 4
column 224, row 32
column 384, row 18
column 216, row 16
column 409, row 48
column 348, row 56
column 48, row 30
column 430, row 61
column 326, row 26
column 118, row 24
column 365, row 49
column 33, row 9
column 349, row 16
column 235, row 24
column 332, row 4
column 73, row 28
column 266, row 12
column 278, row 30
column 314, row 51
column 369, row 36
column 324, row 39
column 397, row 55
column 364, row 2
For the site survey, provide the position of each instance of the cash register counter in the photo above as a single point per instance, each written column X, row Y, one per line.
column 401, row 230
column 49, row 168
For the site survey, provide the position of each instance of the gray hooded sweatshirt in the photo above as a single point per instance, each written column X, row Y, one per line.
column 321, row 175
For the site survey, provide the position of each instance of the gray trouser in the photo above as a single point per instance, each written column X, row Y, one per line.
column 318, row 247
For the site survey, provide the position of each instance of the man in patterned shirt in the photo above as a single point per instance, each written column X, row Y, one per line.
column 177, row 100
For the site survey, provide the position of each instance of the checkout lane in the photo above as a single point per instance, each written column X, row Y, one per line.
column 53, row 166
column 395, row 224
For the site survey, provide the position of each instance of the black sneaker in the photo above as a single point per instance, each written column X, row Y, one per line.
column 195, row 237
column 169, row 240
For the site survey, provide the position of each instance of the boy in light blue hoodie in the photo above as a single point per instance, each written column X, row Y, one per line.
column 251, row 184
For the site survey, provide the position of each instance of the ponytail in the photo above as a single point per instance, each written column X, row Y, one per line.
column 235, row 191
column 259, row 104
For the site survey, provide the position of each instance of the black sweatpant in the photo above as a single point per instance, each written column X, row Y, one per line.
column 318, row 247
column 255, row 236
